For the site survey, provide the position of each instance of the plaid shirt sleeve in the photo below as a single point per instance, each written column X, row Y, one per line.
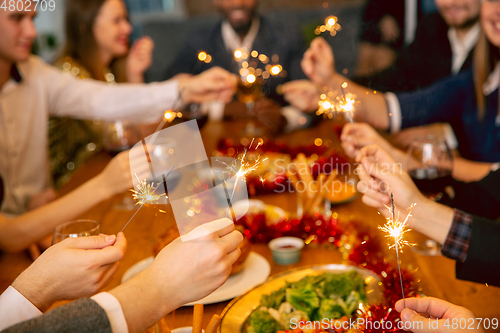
column 456, row 244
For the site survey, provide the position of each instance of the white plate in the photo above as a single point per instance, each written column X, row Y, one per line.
column 255, row 272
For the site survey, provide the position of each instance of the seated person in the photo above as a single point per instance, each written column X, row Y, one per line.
column 31, row 90
column 473, row 241
column 133, row 306
column 243, row 28
column 96, row 47
column 17, row 233
column 442, row 47
column 468, row 101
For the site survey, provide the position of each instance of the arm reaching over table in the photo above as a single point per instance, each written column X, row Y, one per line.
column 213, row 84
column 18, row 233
column 318, row 64
column 444, row 316
column 473, row 241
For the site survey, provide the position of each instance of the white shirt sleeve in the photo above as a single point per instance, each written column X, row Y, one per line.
column 113, row 310
column 394, row 110
column 15, row 308
column 91, row 99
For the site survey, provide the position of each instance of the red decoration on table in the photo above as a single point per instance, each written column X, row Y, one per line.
column 327, row 159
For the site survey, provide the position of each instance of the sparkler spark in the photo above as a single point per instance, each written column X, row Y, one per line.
column 145, row 193
column 331, row 25
column 396, row 228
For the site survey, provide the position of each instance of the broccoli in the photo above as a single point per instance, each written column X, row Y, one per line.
column 304, row 299
column 262, row 322
column 331, row 309
column 274, row 300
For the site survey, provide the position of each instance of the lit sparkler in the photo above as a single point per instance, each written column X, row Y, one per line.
column 242, row 167
column 145, row 193
column 331, row 25
column 395, row 229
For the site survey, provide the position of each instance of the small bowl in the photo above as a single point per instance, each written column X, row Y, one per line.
column 286, row 250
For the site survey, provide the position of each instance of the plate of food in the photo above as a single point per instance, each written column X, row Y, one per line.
column 342, row 192
column 306, row 294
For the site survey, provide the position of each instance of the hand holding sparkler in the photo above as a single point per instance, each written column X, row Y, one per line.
column 358, row 135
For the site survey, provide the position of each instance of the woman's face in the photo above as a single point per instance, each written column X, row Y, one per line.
column 490, row 20
column 112, row 29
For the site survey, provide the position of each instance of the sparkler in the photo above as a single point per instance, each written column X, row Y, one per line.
column 331, row 25
column 147, row 193
column 245, row 167
column 396, row 228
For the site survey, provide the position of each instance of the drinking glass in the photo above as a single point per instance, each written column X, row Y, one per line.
column 430, row 164
column 248, row 93
column 79, row 228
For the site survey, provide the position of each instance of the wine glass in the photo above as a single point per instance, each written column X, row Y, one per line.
column 119, row 136
column 249, row 90
column 430, row 164
column 79, row 228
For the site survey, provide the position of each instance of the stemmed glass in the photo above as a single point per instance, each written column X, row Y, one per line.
column 119, row 136
column 79, row 228
column 249, row 90
column 430, row 165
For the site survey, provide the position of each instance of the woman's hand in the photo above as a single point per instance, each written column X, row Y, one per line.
column 303, row 94
column 444, row 316
column 139, row 59
column 213, row 84
column 380, row 176
column 73, row 268
column 358, row 135
column 318, row 62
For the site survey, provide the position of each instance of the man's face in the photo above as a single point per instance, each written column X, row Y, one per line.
column 239, row 13
column 17, row 35
column 459, row 13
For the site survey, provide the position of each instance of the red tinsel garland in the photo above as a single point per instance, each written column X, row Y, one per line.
column 333, row 160
column 365, row 250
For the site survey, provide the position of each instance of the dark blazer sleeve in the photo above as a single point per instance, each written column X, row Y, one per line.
column 483, row 256
column 477, row 198
column 81, row 316
column 443, row 101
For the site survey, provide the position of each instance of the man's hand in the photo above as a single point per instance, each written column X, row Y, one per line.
column 213, row 84
column 318, row 62
column 139, row 59
column 181, row 273
column 303, row 94
column 448, row 317
column 73, row 268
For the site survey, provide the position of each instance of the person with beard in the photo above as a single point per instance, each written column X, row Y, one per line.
column 243, row 28
column 442, row 47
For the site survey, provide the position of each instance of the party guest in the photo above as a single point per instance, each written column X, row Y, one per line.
column 442, row 47
column 473, row 241
column 31, row 90
column 173, row 280
column 468, row 101
column 243, row 28
column 73, row 268
column 96, row 47
column 19, row 232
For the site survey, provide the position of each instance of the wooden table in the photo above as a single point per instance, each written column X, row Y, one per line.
column 436, row 274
